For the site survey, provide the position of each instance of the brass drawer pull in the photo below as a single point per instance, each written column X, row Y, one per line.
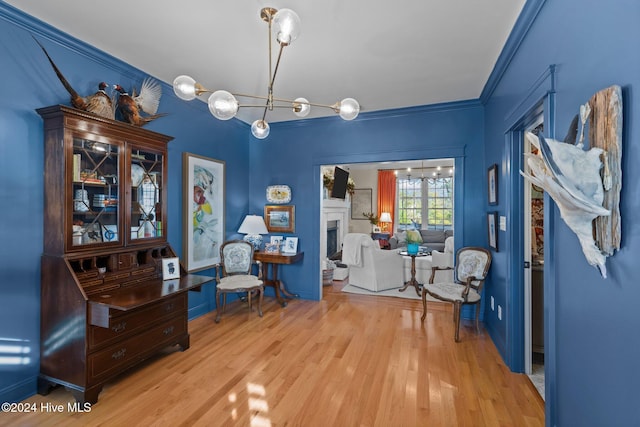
column 168, row 331
column 119, row 354
column 169, row 307
column 119, row 327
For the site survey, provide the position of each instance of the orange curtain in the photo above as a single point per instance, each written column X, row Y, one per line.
column 387, row 196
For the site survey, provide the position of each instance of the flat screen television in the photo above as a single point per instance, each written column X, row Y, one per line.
column 340, row 178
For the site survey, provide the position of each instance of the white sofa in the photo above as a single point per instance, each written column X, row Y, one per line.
column 369, row 266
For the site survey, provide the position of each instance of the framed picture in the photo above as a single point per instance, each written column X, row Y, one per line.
column 492, row 184
column 203, row 211
column 110, row 233
column 94, row 233
column 290, row 245
column 361, row 203
column 170, row 268
column 280, row 218
column 492, row 229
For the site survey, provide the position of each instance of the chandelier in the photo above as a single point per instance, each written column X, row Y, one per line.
column 223, row 105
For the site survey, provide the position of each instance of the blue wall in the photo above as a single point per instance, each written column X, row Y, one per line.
column 295, row 151
column 592, row 349
column 27, row 82
column 292, row 155
column 591, row 322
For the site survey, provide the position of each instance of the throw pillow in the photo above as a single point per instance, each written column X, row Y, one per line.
column 401, row 237
column 414, row 236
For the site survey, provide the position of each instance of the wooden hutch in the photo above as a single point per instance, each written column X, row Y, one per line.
column 105, row 305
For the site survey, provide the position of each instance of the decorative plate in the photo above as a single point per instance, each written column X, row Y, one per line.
column 278, row 194
column 137, row 173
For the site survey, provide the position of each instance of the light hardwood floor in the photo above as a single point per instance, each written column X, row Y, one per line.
column 348, row 360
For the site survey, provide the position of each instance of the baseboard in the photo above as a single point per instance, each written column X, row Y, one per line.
column 19, row 391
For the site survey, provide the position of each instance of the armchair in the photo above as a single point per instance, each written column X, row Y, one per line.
column 233, row 274
column 369, row 266
column 472, row 265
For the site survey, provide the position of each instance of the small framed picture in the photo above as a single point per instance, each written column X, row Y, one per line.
column 272, row 248
column 94, row 233
column 277, row 239
column 376, row 229
column 170, row 268
column 290, row 245
column 109, row 233
column 492, row 184
column 492, row 229
column 280, row 218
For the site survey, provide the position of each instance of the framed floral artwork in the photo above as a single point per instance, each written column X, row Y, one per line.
column 203, row 211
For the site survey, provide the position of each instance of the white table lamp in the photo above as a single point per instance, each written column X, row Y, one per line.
column 253, row 226
column 385, row 217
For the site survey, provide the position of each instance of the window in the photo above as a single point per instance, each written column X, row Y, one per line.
column 440, row 203
column 409, row 203
column 427, row 201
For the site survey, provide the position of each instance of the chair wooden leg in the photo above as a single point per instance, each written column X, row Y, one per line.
column 456, row 314
column 424, row 304
column 218, row 308
column 261, row 294
column 478, row 317
column 249, row 298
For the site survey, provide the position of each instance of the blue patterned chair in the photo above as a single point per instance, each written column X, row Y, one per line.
column 471, row 267
column 233, row 275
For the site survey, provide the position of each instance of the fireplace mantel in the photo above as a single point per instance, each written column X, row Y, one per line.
column 334, row 210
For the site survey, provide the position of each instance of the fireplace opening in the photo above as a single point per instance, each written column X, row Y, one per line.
column 332, row 238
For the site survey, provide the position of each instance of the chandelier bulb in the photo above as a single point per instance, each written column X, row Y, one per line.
column 286, row 26
column 301, row 107
column 223, row 105
column 184, row 87
column 349, row 109
column 260, row 129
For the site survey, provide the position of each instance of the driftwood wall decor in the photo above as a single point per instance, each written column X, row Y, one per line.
column 605, row 131
column 586, row 184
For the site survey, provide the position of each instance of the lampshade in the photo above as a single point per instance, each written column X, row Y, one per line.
column 253, row 224
column 260, row 129
column 385, row 217
column 301, row 107
column 286, row 26
column 184, row 87
column 223, row 105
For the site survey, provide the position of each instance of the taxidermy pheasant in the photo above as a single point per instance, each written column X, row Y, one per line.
column 130, row 106
column 99, row 103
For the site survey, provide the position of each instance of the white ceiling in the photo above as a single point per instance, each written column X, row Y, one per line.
column 386, row 55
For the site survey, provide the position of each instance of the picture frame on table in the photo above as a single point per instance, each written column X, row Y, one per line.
column 170, row 268
column 290, row 245
column 492, row 184
column 492, row 230
column 273, row 247
column 280, row 218
column 203, row 181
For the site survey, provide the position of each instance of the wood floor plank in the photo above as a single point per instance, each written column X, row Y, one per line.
column 348, row 360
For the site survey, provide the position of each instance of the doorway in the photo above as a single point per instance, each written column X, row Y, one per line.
column 533, row 250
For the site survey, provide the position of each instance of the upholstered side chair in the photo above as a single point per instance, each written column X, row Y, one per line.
column 471, row 267
column 233, row 275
